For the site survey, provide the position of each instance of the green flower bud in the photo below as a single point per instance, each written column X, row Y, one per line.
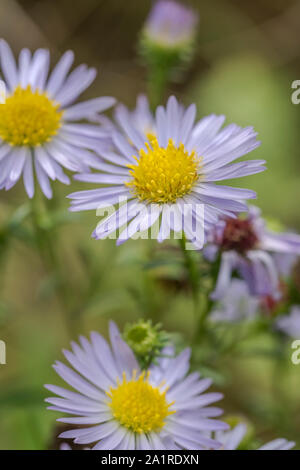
column 167, row 43
column 146, row 340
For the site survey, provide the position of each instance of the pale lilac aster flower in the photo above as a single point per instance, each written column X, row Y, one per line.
column 290, row 323
column 169, row 178
column 247, row 246
column 236, row 305
column 171, row 24
column 120, row 407
column 38, row 129
column 232, row 439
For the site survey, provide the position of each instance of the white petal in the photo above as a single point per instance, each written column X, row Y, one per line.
column 8, row 63
column 59, row 73
column 88, row 109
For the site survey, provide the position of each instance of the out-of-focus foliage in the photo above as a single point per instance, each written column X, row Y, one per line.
column 249, row 91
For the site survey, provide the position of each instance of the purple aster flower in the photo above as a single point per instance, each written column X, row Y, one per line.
column 290, row 323
column 236, row 305
column 171, row 24
column 247, row 247
column 119, row 406
column 232, row 439
column 169, row 178
column 38, row 119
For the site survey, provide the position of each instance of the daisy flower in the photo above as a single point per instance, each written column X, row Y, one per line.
column 232, row 439
column 246, row 246
column 169, row 178
column 290, row 324
column 118, row 406
column 38, row 119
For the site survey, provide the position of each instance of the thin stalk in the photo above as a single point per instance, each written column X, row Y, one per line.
column 157, row 82
column 47, row 247
column 200, row 309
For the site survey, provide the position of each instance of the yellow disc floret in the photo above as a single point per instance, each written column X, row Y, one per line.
column 29, row 118
column 163, row 175
column 139, row 406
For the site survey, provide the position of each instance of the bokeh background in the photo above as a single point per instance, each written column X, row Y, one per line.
column 247, row 55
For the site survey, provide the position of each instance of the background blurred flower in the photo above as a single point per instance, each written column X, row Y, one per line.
column 171, row 24
column 37, row 120
column 166, row 44
column 247, row 247
column 126, row 408
column 173, row 172
column 141, row 117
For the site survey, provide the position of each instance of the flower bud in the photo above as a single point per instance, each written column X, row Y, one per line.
column 171, row 25
column 166, row 44
column 146, row 340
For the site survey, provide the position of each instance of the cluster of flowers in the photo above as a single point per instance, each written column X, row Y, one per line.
column 263, row 261
column 163, row 162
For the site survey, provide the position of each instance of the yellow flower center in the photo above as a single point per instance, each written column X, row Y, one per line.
column 138, row 406
column 163, row 175
column 28, row 118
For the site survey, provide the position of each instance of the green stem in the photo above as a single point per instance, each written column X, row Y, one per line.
column 48, row 253
column 3, row 256
column 200, row 311
column 157, row 81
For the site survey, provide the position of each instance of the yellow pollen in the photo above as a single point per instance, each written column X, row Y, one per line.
column 139, row 406
column 150, row 135
column 163, row 175
column 29, row 118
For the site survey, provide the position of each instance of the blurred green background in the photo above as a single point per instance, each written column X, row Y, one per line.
column 247, row 55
